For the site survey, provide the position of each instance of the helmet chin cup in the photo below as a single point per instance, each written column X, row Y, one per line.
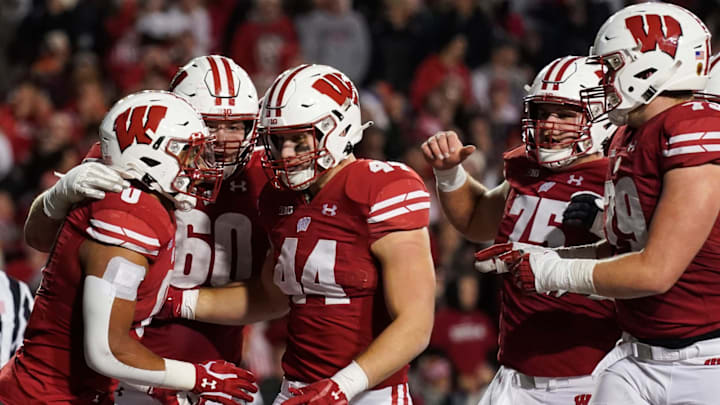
column 555, row 159
column 299, row 179
column 618, row 117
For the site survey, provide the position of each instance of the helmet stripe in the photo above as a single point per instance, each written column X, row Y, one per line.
column 284, row 87
column 561, row 72
column 216, row 79
column 231, row 82
column 546, row 79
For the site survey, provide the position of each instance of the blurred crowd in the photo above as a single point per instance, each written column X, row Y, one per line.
column 422, row 66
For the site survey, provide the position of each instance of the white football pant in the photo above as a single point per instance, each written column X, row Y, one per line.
column 640, row 374
column 510, row 387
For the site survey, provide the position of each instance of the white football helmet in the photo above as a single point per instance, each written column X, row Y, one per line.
column 559, row 83
column 712, row 89
column 221, row 91
column 315, row 98
column 646, row 49
column 159, row 139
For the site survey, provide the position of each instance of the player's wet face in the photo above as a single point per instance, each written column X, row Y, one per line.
column 559, row 123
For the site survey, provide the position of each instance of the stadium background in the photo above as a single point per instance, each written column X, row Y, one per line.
column 421, row 65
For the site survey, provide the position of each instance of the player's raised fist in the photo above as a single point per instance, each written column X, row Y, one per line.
column 444, row 150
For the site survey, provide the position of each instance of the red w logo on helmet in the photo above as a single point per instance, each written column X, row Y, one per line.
column 137, row 130
column 655, row 37
column 333, row 86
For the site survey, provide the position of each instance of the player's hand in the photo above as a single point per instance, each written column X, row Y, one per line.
column 499, row 258
column 219, row 381
column 444, row 150
column 323, row 392
column 585, row 212
column 88, row 180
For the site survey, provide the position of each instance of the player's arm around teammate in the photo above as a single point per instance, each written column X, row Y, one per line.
column 88, row 180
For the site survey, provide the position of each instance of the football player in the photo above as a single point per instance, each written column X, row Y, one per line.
column 549, row 344
column 662, row 201
column 109, row 268
column 350, row 247
column 216, row 243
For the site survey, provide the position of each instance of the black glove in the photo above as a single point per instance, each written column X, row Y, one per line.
column 585, row 212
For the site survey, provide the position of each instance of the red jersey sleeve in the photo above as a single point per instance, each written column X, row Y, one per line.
column 397, row 199
column 691, row 136
column 133, row 220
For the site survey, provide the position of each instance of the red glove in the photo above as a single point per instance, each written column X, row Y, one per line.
column 172, row 305
column 497, row 258
column 522, row 274
column 164, row 396
column 516, row 262
column 220, row 381
column 323, row 392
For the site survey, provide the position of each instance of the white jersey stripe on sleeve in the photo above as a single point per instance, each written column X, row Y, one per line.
column 398, row 211
column 686, row 150
column 398, row 199
column 694, row 136
column 119, row 242
column 124, row 231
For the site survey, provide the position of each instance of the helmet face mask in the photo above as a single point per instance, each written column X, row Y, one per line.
column 556, row 142
column 555, row 128
column 319, row 103
column 223, row 94
column 647, row 49
column 159, row 140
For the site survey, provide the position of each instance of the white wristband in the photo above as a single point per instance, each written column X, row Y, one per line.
column 189, row 303
column 179, row 375
column 553, row 273
column 352, row 380
column 450, row 179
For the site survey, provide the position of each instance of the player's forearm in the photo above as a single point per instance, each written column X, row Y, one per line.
column 238, row 304
column 40, row 230
column 633, row 275
column 405, row 338
column 474, row 210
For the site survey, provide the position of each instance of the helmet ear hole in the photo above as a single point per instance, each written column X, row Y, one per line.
column 150, row 162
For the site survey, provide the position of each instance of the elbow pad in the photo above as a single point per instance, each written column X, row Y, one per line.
column 121, row 280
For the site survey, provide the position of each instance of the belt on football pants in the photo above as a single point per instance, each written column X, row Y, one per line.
column 529, row 382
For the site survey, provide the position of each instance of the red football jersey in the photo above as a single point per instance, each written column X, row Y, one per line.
column 216, row 243
column 543, row 334
column 50, row 367
column 325, row 266
column 682, row 136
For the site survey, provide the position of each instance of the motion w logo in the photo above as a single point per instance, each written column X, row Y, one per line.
column 654, row 36
column 139, row 126
column 582, row 399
